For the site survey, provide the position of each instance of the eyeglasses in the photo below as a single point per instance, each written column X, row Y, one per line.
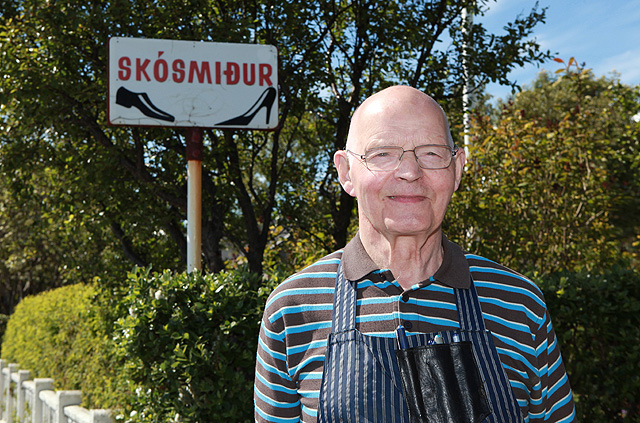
column 388, row 158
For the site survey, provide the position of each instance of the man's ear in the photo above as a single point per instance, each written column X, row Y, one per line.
column 341, row 161
column 460, row 160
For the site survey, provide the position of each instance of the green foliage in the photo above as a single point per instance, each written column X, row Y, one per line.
column 596, row 316
column 3, row 326
column 182, row 344
column 125, row 187
column 47, row 241
column 550, row 182
column 190, row 343
column 604, row 111
column 59, row 334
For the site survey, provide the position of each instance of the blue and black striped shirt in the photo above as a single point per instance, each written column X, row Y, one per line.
column 298, row 315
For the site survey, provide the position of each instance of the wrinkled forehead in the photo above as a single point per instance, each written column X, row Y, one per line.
column 406, row 122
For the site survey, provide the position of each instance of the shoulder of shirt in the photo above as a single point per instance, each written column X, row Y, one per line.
column 317, row 278
column 487, row 271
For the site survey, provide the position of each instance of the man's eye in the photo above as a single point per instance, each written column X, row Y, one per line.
column 379, row 155
column 430, row 154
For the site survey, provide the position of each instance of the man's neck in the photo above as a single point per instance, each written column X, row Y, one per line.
column 411, row 259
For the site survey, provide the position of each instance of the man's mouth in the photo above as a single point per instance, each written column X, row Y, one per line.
column 406, row 197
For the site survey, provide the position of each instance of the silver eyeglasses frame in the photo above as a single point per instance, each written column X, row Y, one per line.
column 363, row 157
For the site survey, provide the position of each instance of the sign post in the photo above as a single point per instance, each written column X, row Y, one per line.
column 192, row 85
column 194, row 199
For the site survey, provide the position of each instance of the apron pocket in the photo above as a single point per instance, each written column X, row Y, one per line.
column 442, row 384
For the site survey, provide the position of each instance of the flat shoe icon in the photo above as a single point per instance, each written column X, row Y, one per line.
column 141, row 101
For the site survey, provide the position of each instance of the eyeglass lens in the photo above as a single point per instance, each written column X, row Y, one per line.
column 428, row 157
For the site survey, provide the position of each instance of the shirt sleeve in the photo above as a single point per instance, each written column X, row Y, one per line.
column 276, row 396
column 551, row 399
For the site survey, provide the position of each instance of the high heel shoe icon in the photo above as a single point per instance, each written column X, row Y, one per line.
column 141, row 101
column 266, row 100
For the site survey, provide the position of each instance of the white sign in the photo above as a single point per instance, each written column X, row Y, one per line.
column 192, row 84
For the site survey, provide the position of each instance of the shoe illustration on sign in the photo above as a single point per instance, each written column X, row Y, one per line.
column 141, row 101
column 266, row 100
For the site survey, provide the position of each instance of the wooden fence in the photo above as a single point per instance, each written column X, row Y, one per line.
column 23, row 400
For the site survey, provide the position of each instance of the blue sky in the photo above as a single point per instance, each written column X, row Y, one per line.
column 604, row 34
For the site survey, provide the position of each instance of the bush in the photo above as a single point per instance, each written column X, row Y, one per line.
column 3, row 325
column 597, row 320
column 59, row 334
column 190, row 343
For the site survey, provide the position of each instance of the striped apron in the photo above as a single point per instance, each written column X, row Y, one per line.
column 362, row 380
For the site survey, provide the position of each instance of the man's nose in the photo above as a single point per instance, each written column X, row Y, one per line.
column 408, row 168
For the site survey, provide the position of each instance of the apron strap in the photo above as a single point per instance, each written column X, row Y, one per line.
column 344, row 304
column 469, row 311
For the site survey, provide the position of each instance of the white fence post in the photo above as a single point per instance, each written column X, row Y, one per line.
column 78, row 414
column 100, row 416
column 37, row 414
column 3, row 364
column 58, row 400
column 6, row 375
column 21, row 377
column 66, row 398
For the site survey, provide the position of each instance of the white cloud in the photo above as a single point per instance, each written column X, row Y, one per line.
column 627, row 64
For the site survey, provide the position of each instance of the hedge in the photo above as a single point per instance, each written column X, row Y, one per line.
column 204, row 331
column 60, row 334
column 597, row 321
column 188, row 343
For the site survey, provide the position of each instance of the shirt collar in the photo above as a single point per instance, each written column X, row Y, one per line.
column 453, row 272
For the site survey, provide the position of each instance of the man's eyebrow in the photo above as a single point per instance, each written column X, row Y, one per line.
column 383, row 142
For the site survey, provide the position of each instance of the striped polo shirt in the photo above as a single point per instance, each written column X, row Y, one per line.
column 298, row 315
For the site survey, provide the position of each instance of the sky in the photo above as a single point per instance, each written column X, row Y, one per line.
column 602, row 34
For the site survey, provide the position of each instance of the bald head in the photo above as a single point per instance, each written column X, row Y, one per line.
column 391, row 109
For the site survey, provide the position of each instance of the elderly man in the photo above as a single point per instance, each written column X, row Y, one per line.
column 402, row 325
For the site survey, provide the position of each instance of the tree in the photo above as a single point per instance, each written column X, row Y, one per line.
column 45, row 239
column 132, row 180
column 552, row 181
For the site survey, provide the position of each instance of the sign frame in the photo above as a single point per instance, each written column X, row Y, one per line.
column 176, row 83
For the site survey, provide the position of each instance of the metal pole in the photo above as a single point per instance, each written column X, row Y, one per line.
column 194, row 199
column 467, row 22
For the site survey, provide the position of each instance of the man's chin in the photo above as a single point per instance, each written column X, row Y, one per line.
column 410, row 228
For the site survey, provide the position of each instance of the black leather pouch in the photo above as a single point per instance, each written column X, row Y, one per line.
column 442, row 383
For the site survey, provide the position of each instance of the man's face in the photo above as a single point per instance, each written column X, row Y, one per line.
column 407, row 201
